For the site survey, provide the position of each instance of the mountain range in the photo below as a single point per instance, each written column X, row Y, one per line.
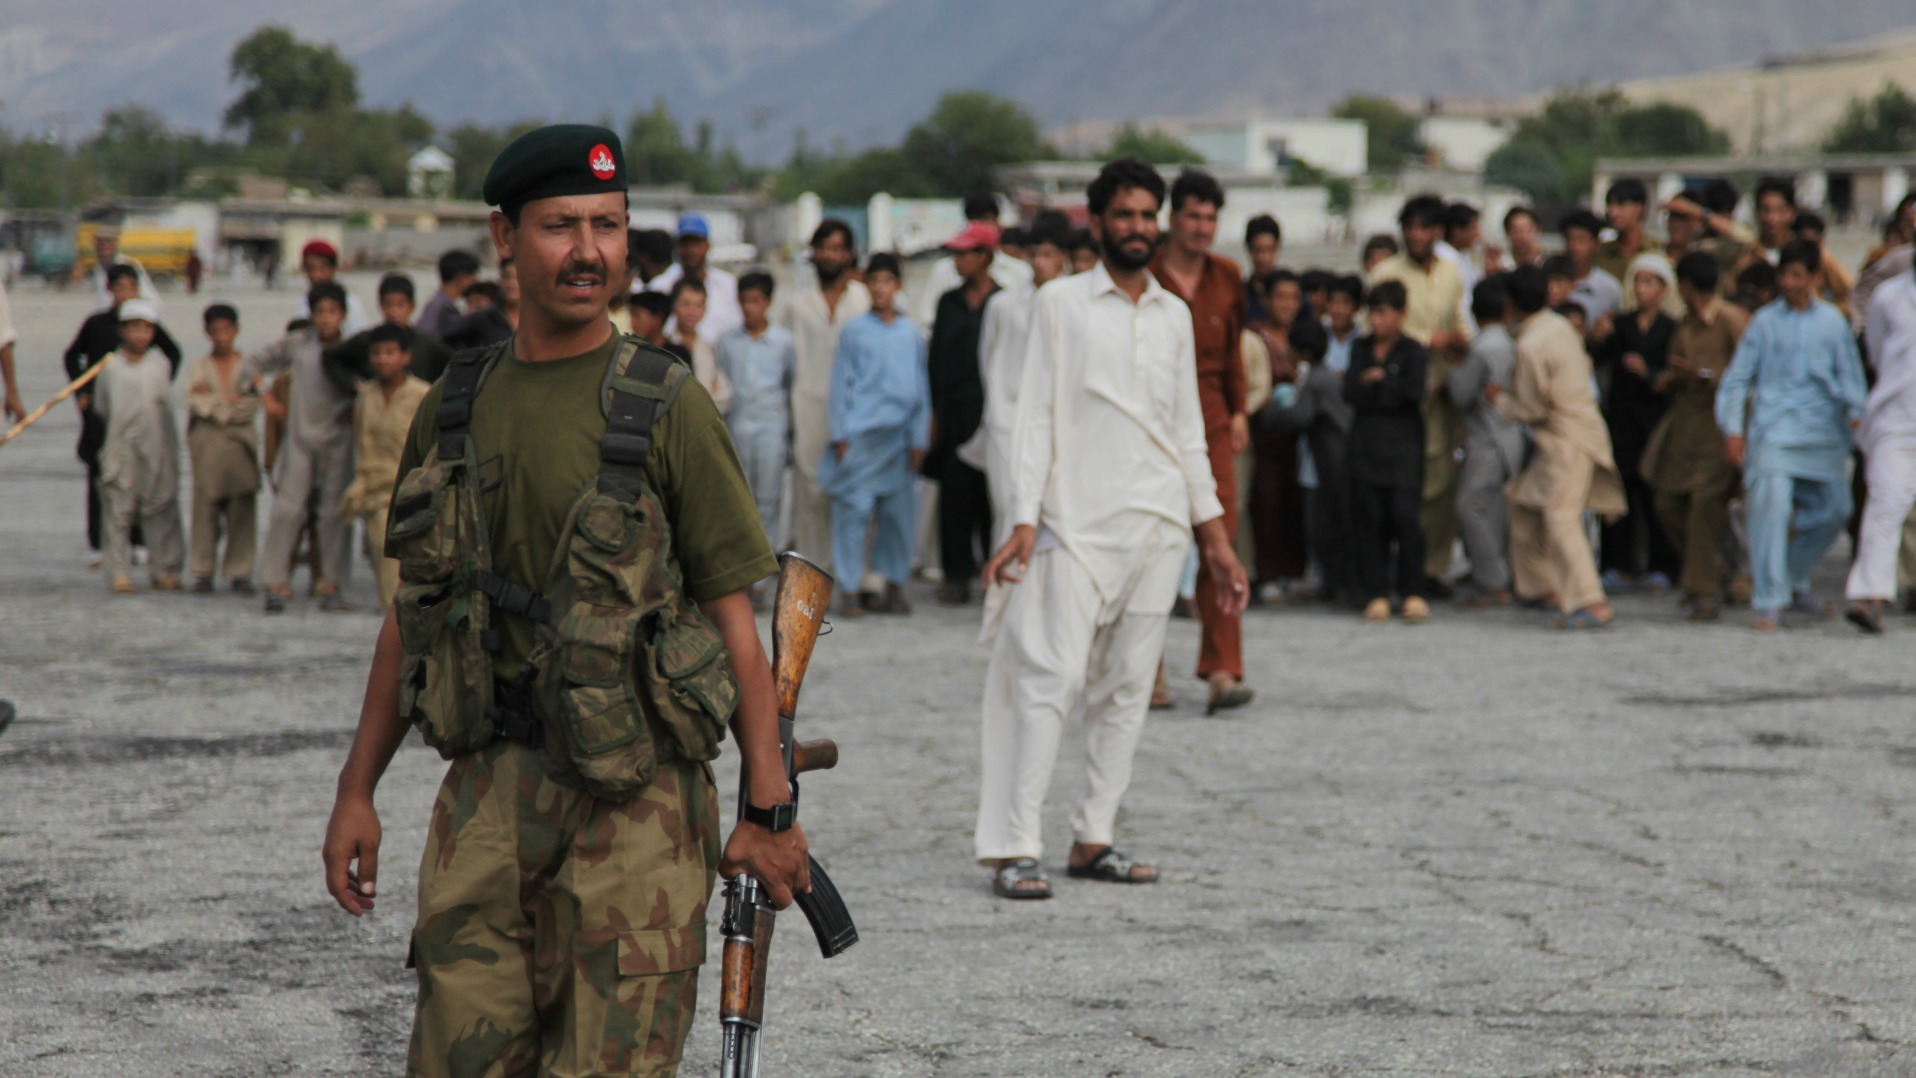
column 858, row 72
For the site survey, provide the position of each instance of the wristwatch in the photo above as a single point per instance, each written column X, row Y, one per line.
column 775, row 819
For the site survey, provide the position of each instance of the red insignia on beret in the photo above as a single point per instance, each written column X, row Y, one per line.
column 600, row 162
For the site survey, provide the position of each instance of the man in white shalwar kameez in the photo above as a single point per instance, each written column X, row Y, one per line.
column 1887, row 437
column 1111, row 476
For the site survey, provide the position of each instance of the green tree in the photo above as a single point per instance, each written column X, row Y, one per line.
column 1884, row 124
column 655, row 150
column 333, row 147
column 1390, row 132
column 954, row 151
column 473, row 147
column 40, row 173
column 1153, row 144
column 284, row 77
column 1530, row 165
column 1552, row 155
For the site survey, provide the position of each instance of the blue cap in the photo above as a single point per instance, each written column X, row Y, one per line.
column 693, row 224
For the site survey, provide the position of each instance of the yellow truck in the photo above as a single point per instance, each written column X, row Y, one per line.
column 163, row 251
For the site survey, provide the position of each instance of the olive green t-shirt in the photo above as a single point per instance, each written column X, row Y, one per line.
column 536, row 429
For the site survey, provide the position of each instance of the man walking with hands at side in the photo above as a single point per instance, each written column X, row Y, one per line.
column 1109, row 389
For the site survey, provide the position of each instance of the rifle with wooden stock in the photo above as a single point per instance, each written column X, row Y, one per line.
column 798, row 610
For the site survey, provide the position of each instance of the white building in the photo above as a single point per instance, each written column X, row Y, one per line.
column 1462, row 143
column 1265, row 146
column 429, row 174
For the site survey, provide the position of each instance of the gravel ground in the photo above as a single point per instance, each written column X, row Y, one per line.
column 1476, row 847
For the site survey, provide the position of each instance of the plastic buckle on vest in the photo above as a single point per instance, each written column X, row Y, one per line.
column 514, row 597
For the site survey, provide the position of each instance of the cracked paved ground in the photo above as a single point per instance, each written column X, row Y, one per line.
column 1474, row 848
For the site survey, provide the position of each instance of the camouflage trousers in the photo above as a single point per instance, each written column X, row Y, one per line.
column 558, row 934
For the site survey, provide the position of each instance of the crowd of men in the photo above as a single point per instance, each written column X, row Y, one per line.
column 1495, row 401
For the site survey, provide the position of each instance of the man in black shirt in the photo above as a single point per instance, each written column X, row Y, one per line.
column 957, row 407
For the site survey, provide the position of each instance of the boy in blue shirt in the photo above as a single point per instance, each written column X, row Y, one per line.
column 1791, row 436
column 758, row 358
column 880, row 418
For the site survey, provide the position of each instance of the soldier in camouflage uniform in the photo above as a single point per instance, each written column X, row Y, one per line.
column 560, row 932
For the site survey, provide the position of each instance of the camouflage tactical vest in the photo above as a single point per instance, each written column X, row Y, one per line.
column 625, row 672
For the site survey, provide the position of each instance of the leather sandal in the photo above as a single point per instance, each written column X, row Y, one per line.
column 1005, row 881
column 1111, row 865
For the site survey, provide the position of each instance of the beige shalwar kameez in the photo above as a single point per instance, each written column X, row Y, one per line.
column 1572, row 470
column 139, row 466
column 380, row 427
column 222, row 440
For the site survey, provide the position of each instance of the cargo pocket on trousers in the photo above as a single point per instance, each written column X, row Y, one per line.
column 652, row 951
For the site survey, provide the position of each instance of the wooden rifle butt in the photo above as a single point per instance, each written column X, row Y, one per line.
column 799, row 606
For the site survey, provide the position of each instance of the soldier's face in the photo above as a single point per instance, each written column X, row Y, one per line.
column 565, row 251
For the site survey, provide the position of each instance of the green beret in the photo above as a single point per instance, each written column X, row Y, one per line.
column 564, row 159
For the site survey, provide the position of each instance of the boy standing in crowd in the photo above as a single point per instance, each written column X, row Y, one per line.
column 1319, row 412
column 1434, row 317
column 1692, row 477
column 1792, row 437
column 689, row 340
column 382, row 417
column 1385, row 388
column 139, row 460
column 757, row 359
column 222, row 439
column 1593, row 288
column 319, row 263
column 1570, row 473
column 1493, row 446
column 880, row 427
column 457, row 272
column 317, row 454
column 99, row 336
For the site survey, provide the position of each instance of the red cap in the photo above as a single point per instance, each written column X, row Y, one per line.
column 322, row 249
column 977, row 235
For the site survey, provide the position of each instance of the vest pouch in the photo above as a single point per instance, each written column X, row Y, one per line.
column 600, row 721
column 423, row 531
column 689, row 683
column 445, row 680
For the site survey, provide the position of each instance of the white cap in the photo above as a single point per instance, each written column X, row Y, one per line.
column 139, row 310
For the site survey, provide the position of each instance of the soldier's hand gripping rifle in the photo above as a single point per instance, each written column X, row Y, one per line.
column 804, row 594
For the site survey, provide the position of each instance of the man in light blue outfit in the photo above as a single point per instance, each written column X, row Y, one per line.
column 758, row 358
column 880, row 419
column 1799, row 378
